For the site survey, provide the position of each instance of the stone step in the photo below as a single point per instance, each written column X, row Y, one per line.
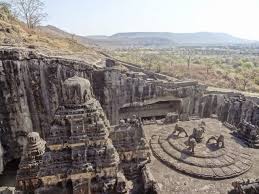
column 171, row 157
column 192, row 160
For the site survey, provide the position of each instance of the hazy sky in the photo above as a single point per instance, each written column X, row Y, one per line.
column 106, row 17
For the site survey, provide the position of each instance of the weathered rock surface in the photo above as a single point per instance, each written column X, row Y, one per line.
column 230, row 107
column 31, row 89
column 131, row 92
column 32, row 85
column 131, row 144
column 7, row 190
column 80, row 158
column 171, row 181
column 27, row 176
column 207, row 161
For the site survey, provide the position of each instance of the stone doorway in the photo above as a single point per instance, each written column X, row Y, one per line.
column 157, row 110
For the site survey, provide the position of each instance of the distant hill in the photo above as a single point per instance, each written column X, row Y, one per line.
column 54, row 31
column 167, row 39
column 150, row 39
column 184, row 38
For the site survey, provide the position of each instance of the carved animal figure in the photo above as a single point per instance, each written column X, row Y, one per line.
column 197, row 134
column 219, row 140
column 180, row 130
column 192, row 144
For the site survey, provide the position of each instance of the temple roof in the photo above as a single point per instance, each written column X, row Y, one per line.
column 77, row 90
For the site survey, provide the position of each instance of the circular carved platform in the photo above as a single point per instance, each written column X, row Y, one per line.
column 208, row 161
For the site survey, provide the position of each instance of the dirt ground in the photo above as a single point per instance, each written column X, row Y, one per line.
column 171, row 181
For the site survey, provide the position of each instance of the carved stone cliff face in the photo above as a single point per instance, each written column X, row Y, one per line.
column 30, row 91
column 136, row 89
column 230, row 108
column 79, row 154
column 31, row 87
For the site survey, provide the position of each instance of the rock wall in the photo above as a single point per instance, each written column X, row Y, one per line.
column 30, row 91
column 128, row 89
column 230, row 107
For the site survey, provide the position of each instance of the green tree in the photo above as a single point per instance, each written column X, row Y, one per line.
column 208, row 63
column 247, row 65
column 189, row 58
column 245, row 76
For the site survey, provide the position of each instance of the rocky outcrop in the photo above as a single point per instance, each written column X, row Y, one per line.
column 7, row 190
column 245, row 186
column 231, row 108
column 131, row 144
column 31, row 86
column 136, row 89
column 30, row 91
column 80, row 157
column 150, row 185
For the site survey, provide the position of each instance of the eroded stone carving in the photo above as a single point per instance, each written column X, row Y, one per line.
column 219, row 141
column 132, row 146
column 245, row 187
column 27, row 179
column 171, row 118
column 197, row 134
column 197, row 158
column 33, row 87
column 192, row 143
column 180, row 130
column 249, row 133
column 80, row 158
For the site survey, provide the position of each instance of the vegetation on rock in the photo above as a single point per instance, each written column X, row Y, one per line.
column 16, row 33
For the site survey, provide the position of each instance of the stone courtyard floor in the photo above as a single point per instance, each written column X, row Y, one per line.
column 171, row 181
